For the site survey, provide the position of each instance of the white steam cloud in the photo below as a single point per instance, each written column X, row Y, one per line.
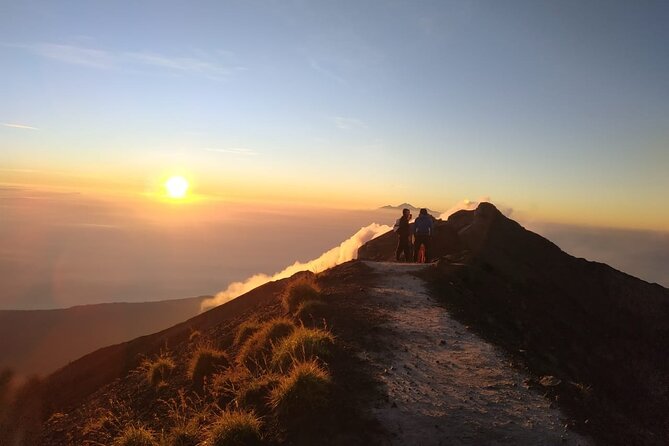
column 465, row 204
column 347, row 250
column 469, row 205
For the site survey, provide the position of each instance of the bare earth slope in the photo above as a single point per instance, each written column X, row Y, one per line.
column 444, row 384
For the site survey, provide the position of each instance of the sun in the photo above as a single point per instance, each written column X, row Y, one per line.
column 176, row 186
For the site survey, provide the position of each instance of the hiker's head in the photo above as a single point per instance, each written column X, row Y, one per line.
column 423, row 211
column 406, row 212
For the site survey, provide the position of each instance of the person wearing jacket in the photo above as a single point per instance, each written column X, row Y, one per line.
column 423, row 229
column 404, row 236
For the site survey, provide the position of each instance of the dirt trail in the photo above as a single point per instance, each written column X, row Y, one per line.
column 444, row 384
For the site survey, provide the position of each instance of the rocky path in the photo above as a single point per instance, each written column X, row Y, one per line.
column 444, row 384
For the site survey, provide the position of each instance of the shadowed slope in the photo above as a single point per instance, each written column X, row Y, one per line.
column 41, row 341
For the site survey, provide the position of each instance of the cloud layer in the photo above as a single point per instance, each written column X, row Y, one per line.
column 346, row 251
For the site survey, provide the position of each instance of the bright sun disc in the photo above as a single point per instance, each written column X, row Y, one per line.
column 176, row 187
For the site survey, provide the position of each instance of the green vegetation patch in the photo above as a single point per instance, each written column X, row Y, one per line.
column 300, row 291
column 302, row 394
column 255, row 348
column 301, row 345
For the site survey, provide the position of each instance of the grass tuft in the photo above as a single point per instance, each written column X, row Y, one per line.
column 255, row 393
column 235, row 428
column 183, row 435
column 204, row 362
column 301, row 395
column 301, row 345
column 225, row 385
column 302, row 290
column 135, row 436
column 159, row 369
column 261, row 342
column 311, row 311
column 245, row 331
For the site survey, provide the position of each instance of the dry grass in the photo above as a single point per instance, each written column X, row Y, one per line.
column 301, row 345
column 255, row 393
column 195, row 336
column 183, row 435
column 302, row 394
column 205, row 361
column 245, row 331
column 158, row 370
column 300, row 291
column 187, row 414
column 235, row 428
column 311, row 311
column 226, row 385
column 252, row 353
column 135, row 436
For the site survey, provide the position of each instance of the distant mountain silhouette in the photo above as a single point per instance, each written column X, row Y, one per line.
column 591, row 341
column 412, row 208
column 40, row 341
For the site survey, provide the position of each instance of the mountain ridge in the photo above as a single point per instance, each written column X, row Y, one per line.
column 590, row 338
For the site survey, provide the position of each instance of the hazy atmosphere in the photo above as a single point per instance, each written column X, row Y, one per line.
column 286, row 124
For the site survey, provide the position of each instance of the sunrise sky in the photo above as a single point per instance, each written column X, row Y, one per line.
column 163, row 149
column 559, row 109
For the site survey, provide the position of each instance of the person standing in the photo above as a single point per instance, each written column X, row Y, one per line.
column 404, row 236
column 423, row 228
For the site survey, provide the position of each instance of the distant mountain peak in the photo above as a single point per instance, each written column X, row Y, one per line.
column 409, row 206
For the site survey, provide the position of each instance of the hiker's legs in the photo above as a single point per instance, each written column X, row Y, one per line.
column 416, row 248
column 407, row 252
column 403, row 246
column 427, row 244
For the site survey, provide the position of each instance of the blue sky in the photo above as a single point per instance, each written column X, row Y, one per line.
column 557, row 108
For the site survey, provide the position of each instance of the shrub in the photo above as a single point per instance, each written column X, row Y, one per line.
column 260, row 343
column 302, row 394
column 159, row 369
column 135, row 436
column 311, row 310
column 235, row 428
column 205, row 361
column 245, row 331
column 255, row 393
column 301, row 345
column 300, row 291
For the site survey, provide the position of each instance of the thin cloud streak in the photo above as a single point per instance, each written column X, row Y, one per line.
column 208, row 65
column 19, row 126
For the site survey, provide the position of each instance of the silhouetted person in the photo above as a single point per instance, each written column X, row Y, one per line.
column 404, row 236
column 423, row 228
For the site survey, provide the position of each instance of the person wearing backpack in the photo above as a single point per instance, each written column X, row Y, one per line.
column 404, row 236
column 423, row 228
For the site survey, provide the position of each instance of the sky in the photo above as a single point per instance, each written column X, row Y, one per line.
column 556, row 110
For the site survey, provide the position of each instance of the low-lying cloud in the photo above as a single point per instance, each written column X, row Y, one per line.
column 347, row 250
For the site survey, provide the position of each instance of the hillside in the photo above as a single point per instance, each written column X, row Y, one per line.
column 504, row 340
column 41, row 341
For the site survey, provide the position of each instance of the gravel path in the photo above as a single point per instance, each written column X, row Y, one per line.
column 444, row 384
